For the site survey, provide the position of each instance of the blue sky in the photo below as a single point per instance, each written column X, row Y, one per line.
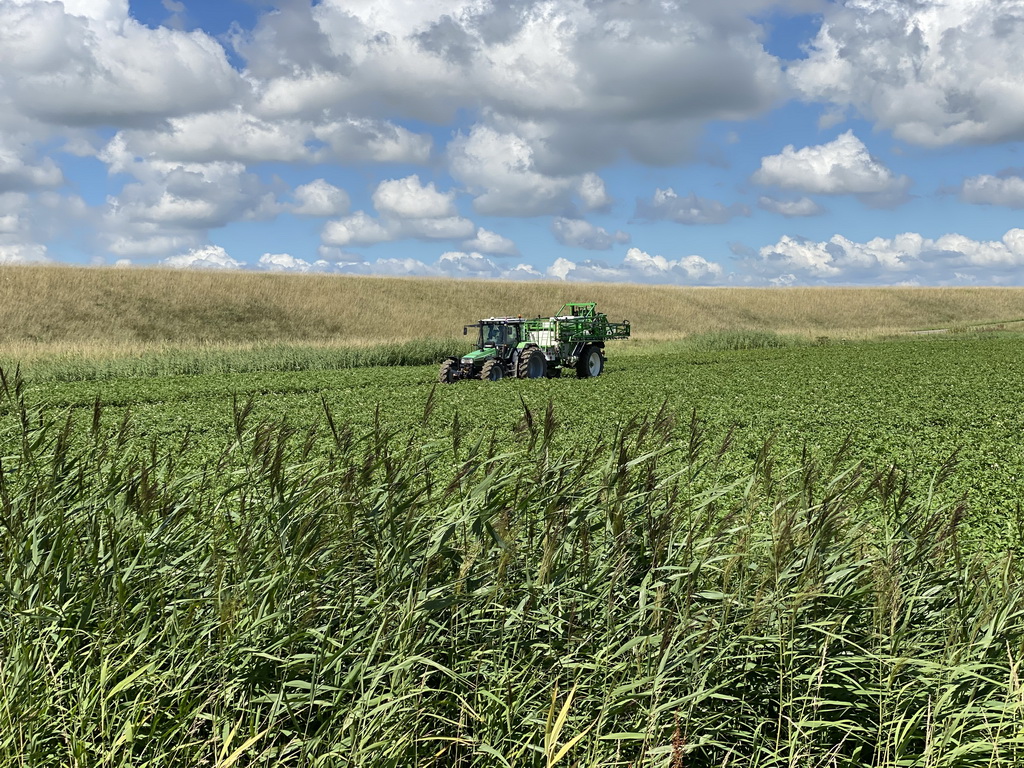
column 741, row 142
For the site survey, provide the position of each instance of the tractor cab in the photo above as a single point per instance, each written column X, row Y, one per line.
column 499, row 334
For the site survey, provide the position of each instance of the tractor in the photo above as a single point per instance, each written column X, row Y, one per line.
column 572, row 340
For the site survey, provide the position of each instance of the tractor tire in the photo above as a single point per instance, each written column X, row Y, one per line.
column 492, row 371
column 532, row 365
column 449, row 372
column 590, row 364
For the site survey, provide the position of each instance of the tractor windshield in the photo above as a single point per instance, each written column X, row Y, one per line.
column 497, row 334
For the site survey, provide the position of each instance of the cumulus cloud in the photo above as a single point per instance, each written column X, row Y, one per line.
column 1005, row 190
column 554, row 90
column 491, row 243
column 841, row 167
column 579, row 233
column 209, row 257
column 358, row 229
column 21, row 171
column 407, row 208
column 174, row 205
column 319, row 198
column 592, row 192
column 594, row 80
column 408, row 199
column 933, row 73
column 80, row 64
column 906, row 257
column 790, row 208
column 640, row 267
column 29, row 220
column 500, row 169
column 359, row 139
column 666, row 204
column 285, row 262
column 23, row 253
column 236, row 135
column 454, row 264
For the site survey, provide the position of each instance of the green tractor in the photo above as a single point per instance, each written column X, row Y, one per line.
column 572, row 340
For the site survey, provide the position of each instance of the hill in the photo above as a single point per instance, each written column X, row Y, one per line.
column 79, row 309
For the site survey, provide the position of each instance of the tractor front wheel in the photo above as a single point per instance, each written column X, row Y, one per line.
column 590, row 364
column 492, row 371
column 532, row 364
column 449, row 371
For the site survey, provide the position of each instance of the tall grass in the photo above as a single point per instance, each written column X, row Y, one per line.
column 73, row 366
column 315, row 596
column 52, row 309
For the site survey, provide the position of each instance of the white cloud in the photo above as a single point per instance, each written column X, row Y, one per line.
column 397, row 268
column 29, row 220
column 578, row 233
column 906, row 257
column 790, row 208
column 454, row 264
column 994, row 190
column 492, row 243
column 174, row 205
column 105, row 68
column 500, row 167
column 640, row 267
column 666, row 204
column 408, row 199
column 23, row 253
column 20, row 171
column 223, row 135
column 841, row 167
column 285, row 262
column 407, row 209
column 147, row 240
column 209, row 257
column 933, row 73
column 236, row 135
column 335, row 255
column 319, row 198
column 353, row 140
column 446, row 228
column 358, row 229
column 459, row 264
column 593, row 193
column 596, row 79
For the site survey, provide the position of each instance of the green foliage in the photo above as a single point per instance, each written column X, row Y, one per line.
column 762, row 558
column 197, row 361
column 734, row 340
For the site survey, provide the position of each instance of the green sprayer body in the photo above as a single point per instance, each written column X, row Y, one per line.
column 531, row 348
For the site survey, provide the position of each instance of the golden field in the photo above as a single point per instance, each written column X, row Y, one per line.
column 77, row 310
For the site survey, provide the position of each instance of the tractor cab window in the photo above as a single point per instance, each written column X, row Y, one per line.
column 491, row 334
column 498, row 334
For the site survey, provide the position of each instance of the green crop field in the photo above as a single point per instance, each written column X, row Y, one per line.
column 792, row 554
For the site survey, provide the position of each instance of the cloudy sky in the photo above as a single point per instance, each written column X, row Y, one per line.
column 735, row 142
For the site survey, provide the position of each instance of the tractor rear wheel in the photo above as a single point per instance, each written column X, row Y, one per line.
column 532, row 364
column 448, row 372
column 590, row 364
column 492, row 371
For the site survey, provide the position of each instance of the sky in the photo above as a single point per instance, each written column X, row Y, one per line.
column 734, row 142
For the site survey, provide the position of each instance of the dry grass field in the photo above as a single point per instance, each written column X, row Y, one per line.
column 74, row 310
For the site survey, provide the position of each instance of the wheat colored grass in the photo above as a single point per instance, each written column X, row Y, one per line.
column 115, row 312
